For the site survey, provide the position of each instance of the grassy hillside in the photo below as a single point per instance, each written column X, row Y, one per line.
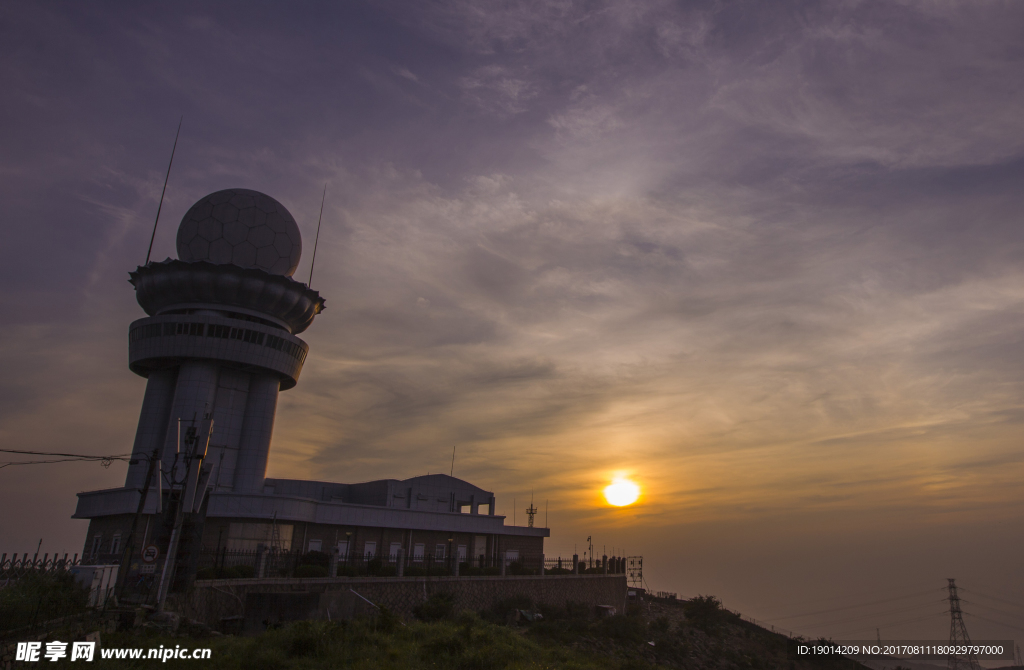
column 688, row 634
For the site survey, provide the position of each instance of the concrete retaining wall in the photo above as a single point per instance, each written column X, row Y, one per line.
column 260, row 602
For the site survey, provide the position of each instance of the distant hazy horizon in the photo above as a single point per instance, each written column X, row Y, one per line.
column 763, row 259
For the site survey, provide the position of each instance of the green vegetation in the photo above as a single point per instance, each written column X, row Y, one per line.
column 463, row 643
column 656, row 635
column 37, row 597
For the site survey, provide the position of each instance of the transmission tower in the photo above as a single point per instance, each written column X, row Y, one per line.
column 958, row 634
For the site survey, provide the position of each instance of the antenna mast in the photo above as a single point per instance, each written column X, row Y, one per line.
column 453, row 462
column 161, row 205
column 317, row 240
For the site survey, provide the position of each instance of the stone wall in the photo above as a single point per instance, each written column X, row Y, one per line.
column 259, row 602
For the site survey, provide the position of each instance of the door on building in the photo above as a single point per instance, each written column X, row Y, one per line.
column 480, row 549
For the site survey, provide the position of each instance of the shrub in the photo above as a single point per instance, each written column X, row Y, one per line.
column 311, row 571
column 315, row 558
column 39, row 597
column 438, row 606
column 704, row 612
column 501, row 609
column 622, row 627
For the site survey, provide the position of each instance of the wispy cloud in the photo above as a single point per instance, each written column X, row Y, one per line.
column 764, row 259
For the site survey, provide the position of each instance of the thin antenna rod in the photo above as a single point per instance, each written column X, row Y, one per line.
column 317, row 240
column 453, row 462
column 161, row 205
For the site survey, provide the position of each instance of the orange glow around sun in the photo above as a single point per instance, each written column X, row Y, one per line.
column 621, row 492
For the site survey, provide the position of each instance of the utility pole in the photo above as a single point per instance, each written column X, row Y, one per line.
column 958, row 635
column 197, row 441
column 129, row 545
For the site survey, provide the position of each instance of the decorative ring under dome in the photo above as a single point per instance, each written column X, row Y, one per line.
column 161, row 286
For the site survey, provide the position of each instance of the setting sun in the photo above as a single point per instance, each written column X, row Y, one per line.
column 621, row 492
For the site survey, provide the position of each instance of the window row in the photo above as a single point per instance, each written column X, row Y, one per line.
column 214, row 330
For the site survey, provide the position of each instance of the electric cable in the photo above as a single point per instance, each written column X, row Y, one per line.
column 895, row 623
column 847, row 607
column 864, row 616
column 998, row 623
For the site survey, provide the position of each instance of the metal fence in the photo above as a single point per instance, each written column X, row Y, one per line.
column 13, row 567
column 572, row 565
column 37, row 590
column 227, row 564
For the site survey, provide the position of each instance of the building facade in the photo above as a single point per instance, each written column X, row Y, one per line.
column 219, row 343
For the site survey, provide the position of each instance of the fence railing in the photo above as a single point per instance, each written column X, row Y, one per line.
column 769, row 626
column 38, row 589
column 234, row 564
column 573, row 565
column 228, row 564
column 13, row 567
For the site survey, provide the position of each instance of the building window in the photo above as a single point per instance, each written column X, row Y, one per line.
column 439, row 552
column 417, row 553
column 370, row 550
column 483, row 509
column 462, row 553
column 511, row 556
column 465, row 508
column 253, row 536
column 96, row 543
column 343, row 549
column 393, row 552
column 115, row 543
column 314, row 545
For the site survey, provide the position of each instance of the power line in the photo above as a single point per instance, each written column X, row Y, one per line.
column 832, row 598
column 985, row 595
column 847, row 607
column 62, row 458
column 55, row 453
column 896, row 623
column 988, row 607
column 865, row 616
column 1000, row 623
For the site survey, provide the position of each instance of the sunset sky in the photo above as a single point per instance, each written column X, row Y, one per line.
column 763, row 259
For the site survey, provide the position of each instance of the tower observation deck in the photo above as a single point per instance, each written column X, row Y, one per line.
column 220, row 337
column 220, row 341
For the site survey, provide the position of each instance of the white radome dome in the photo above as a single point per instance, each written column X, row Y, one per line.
column 241, row 227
